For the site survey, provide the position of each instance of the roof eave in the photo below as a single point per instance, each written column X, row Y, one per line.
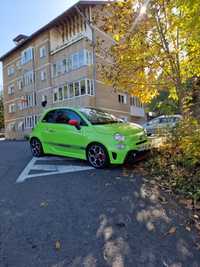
column 48, row 25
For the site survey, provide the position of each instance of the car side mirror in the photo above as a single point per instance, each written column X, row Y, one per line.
column 74, row 123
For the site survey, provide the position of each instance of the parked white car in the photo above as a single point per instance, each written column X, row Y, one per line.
column 161, row 123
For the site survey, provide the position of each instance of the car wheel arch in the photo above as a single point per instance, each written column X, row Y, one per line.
column 97, row 143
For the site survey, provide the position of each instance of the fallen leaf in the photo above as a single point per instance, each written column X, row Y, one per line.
column 197, row 225
column 188, row 228
column 172, row 230
column 196, row 216
column 44, row 204
column 162, row 199
column 58, row 245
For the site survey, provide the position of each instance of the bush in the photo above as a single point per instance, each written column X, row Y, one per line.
column 177, row 162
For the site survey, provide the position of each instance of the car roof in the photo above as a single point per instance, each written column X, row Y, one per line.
column 65, row 107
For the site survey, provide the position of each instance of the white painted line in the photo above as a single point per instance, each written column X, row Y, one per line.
column 51, row 169
column 26, row 171
column 51, row 158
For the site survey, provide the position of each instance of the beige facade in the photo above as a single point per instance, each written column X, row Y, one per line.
column 56, row 65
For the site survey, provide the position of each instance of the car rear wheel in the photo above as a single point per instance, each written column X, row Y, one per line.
column 36, row 148
column 97, row 156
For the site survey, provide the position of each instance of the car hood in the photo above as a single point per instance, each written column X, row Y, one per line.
column 122, row 128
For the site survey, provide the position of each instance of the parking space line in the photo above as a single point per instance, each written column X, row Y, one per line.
column 49, row 169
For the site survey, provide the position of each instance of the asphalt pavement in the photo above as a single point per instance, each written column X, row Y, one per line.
column 58, row 212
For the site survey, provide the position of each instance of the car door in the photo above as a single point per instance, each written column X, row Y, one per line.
column 64, row 139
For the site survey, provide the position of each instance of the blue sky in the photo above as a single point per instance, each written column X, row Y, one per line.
column 25, row 17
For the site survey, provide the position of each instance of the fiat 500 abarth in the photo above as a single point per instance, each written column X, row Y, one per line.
column 88, row 134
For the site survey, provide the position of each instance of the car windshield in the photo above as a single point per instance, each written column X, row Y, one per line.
column 96, row 116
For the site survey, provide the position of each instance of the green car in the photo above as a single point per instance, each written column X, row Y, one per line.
column 88, row 134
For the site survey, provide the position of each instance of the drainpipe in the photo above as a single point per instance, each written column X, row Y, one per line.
column 88, row 21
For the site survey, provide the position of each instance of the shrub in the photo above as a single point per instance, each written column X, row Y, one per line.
column 177, row 162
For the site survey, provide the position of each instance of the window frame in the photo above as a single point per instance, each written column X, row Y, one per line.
column 43, row 51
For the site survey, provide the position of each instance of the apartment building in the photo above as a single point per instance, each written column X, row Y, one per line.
column 56, row 66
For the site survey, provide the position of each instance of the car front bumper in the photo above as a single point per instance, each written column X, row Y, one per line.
column 129, row 154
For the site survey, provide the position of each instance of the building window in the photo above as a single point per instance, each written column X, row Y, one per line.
column 11, row 108
column 29, row 101
column 18, row 64
column 81, row 59
column 43, row 52
column 54, row 70
column 64, row 65
column 11, row 126
column 71, row 90
column 65, row 91
column 134, row 101
column 83, row 87
column 11, row 70
column 20, row 126
column 30, row 121
column 11, row 89
column 19, row 84
column 28, row 78
column 27, row 55
column 90, row 87
column 55, row 96
column 60, row 94
column 70, row 63
column 89, row 59
column 73, row 62
column 43, row 75
column 76, row 88
column 122, row 98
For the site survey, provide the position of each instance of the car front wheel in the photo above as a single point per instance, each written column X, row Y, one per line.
column 36, row 148
column 97, row 156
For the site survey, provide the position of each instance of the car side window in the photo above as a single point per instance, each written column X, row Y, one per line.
column 63, row 116
column 72, row 115
column 164, row 120
column 50, row 117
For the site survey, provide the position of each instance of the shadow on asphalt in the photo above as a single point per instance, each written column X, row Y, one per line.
column 101, row 218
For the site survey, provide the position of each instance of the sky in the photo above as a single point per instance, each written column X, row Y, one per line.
column 25, row 17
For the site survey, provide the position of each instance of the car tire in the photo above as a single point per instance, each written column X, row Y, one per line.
column 36, row 148
column 97, row 156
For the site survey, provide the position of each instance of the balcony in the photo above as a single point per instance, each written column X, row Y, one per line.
column 69, row 30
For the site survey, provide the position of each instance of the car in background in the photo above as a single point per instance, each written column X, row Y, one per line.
column 161, row 124
column 88, row 134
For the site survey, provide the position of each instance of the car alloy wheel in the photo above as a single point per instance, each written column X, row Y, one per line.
column 97, row 156
column 36, row 148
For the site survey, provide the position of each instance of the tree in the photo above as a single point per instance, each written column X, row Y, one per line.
column 1, row 112
column 153, row 50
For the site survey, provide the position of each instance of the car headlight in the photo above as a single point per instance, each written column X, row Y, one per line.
column 119, row 137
